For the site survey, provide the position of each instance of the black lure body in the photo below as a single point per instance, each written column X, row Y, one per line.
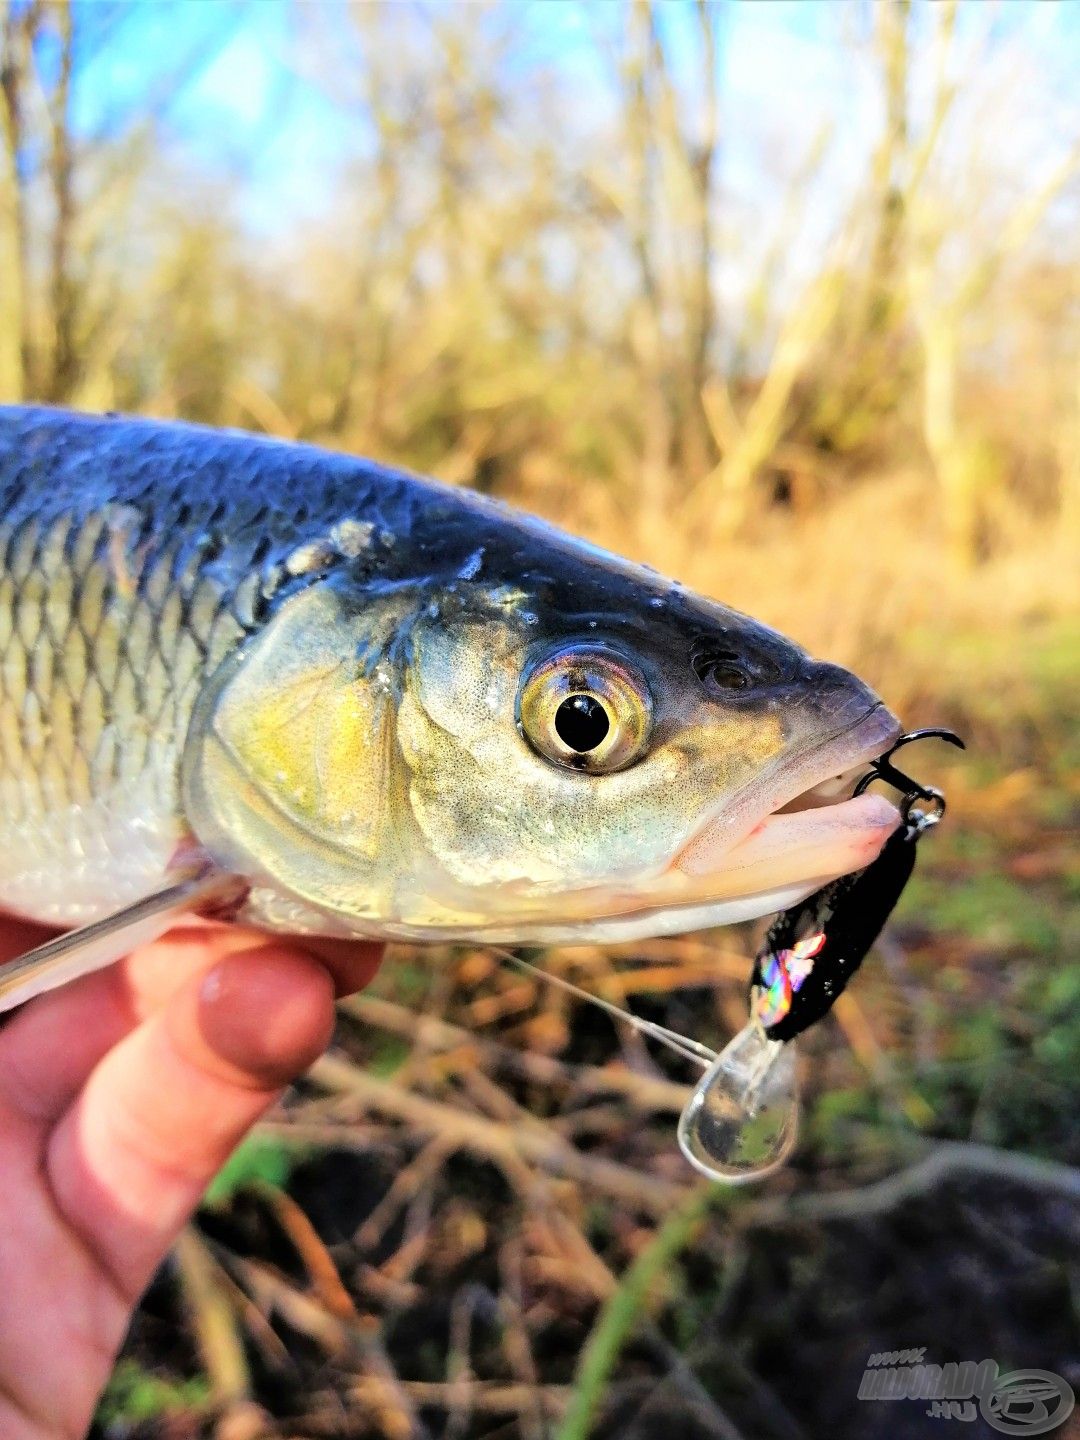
column 813, row 949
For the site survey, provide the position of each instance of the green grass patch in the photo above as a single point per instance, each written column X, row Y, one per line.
column 258, row 1160
column 987, row 906
column 135, row 1394
column 387, row 1054
column 623, row 1309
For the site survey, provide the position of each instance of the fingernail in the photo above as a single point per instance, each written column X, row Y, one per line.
column 268, row 1013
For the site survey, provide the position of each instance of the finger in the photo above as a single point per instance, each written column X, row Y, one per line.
column 48, row 1047
column 19, row 936
column 51, row 1045
column 162, row 1111
column 352, row 963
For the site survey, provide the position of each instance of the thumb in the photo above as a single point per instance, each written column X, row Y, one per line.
column 160, row 1113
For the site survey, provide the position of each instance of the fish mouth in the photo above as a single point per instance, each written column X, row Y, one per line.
column 805, row 828
column 783, row 837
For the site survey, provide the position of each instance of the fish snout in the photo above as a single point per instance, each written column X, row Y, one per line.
column 838, row 703
column 765, row 669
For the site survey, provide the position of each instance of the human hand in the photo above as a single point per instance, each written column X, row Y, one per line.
column 121, row 1096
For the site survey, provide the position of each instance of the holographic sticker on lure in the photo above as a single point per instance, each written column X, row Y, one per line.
column 782, row 976
column 843, row 919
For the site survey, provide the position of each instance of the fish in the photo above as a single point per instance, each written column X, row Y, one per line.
column 332, row 698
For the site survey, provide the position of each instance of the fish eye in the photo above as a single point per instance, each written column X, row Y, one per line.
column 585, row 707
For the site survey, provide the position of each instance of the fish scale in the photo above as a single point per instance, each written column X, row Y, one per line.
column 133, row 558
column 94, row 703
column 107, row 627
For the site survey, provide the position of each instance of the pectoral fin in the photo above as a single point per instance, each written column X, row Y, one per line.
column 105, row 941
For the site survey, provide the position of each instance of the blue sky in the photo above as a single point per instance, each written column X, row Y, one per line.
column 790, row 69
column 778, row 56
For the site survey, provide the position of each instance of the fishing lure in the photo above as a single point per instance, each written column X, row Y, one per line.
column 742, row 1118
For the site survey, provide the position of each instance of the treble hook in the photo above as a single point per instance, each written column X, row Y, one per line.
column 912, row 790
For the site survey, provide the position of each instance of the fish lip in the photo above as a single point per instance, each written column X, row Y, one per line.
column 832, row 756
column 834, row 760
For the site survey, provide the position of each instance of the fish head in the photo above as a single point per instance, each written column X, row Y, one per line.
column 551, row 745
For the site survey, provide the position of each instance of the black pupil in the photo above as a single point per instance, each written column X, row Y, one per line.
column 581, row 723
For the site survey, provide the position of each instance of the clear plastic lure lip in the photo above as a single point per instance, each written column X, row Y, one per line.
column 741, row 1122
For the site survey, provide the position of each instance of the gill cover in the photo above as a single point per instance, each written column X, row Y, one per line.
column 287, row 770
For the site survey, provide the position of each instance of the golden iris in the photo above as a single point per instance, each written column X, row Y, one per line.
column 586, row 707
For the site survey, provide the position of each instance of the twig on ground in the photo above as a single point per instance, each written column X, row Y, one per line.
column 409, row 1254
column 429, row 1117
column 274, row 1352
column 493, row 1100
column 349, row 1341
column 948, row 1160
column 492, row 1398
column 406, row 1184
column 317, row 1260
column 383, row 1289
column 650, row 1094
column 210, row 1309
column 459, row 1371
column 515, row 1338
